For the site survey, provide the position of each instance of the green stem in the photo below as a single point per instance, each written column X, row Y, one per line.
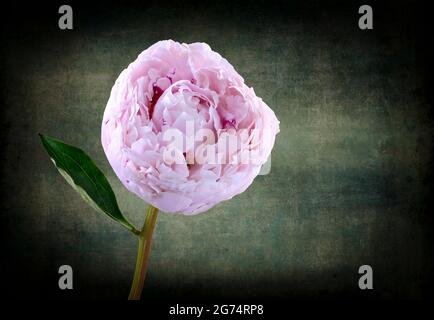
column 145, row 239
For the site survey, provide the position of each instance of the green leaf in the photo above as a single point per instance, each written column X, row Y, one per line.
column 84, row 176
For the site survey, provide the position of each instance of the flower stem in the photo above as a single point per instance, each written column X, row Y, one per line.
column 145, row 239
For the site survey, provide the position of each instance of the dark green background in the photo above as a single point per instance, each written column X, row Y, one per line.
column 351, row 167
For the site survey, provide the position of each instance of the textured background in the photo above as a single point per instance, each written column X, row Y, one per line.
column 351, row 168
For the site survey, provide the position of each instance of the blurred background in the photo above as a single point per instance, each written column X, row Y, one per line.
column 351, row 175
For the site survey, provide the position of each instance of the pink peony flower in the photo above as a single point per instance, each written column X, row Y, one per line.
column 183, row 131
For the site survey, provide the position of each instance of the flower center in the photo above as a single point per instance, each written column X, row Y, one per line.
column 157, row 94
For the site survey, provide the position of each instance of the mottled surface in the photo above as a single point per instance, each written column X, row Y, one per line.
column 349, row 180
